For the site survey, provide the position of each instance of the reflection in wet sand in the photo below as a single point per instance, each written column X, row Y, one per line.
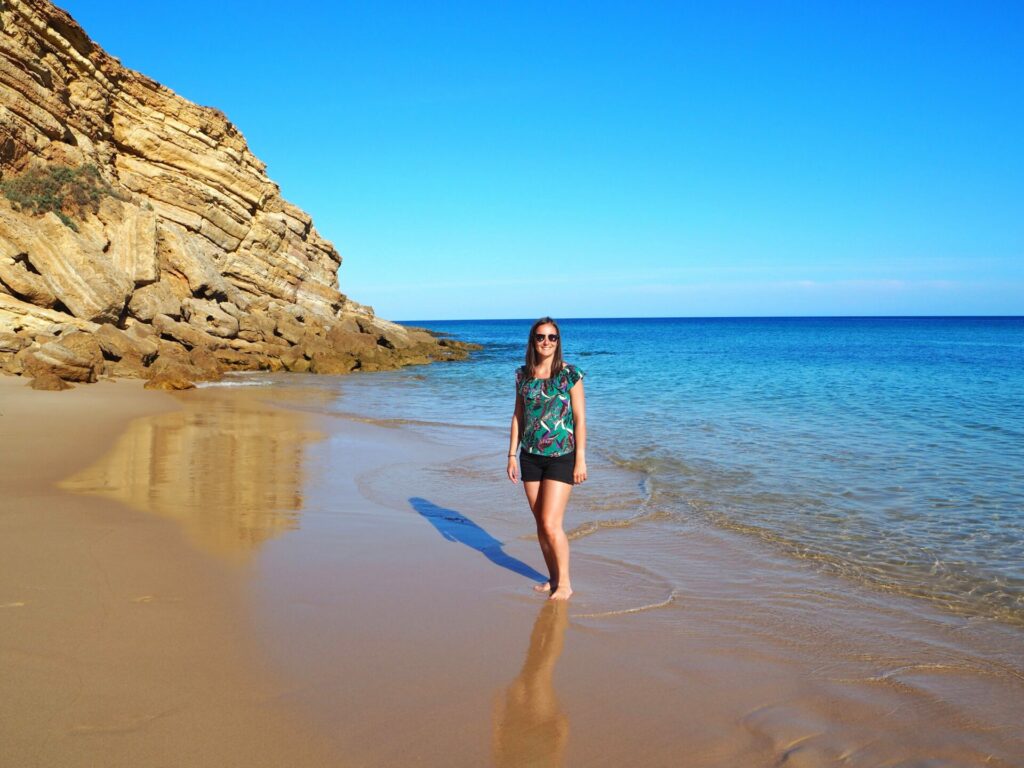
column 229, row 469
column 530, row 728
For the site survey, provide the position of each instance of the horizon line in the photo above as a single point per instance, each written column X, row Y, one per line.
column 719, row 317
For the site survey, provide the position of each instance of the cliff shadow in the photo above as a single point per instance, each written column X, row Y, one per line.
column 455, row 526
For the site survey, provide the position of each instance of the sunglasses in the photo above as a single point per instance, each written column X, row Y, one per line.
column 539, row 337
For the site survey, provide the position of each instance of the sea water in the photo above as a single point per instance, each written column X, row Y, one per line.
column 885, row 450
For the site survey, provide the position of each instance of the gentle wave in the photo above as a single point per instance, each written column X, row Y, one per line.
column 678, row 483
column 226, row 383
column 627, row 611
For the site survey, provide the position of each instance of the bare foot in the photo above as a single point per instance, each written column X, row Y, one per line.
column 545, row 587
column 564, row 592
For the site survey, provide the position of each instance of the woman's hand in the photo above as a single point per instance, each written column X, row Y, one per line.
column 579, row 471
column 512, row 469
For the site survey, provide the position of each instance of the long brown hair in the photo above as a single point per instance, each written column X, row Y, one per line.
column 531, row 349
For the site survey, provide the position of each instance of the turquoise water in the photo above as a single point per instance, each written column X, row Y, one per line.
column 887, row 450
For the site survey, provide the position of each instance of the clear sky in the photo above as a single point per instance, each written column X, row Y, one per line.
column 513, row 159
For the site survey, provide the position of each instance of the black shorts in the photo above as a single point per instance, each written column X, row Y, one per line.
column 535, row 468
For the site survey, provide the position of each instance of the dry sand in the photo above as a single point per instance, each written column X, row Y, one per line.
column 208, row 580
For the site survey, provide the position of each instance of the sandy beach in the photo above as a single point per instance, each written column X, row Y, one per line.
column 236, row 576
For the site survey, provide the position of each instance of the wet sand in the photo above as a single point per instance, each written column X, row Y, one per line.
column 121, row 643
column 208, row 579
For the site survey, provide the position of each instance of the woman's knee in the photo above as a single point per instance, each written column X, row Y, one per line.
column 550, row 527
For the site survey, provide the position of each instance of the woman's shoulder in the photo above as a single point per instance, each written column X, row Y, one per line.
column 571, row 374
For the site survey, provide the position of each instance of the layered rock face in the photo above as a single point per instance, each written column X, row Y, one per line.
column 180, row 260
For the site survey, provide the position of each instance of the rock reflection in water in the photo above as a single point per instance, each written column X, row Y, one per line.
column 226, row 466
column 530, row 728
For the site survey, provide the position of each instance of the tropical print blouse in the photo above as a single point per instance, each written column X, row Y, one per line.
column 548, row 424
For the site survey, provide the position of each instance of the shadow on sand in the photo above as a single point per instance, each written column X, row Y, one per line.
column 455, row 526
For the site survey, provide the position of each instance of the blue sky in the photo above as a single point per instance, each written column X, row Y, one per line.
column 478, row 160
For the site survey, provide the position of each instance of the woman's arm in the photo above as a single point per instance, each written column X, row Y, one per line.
column 579, row 416
column 515, row 434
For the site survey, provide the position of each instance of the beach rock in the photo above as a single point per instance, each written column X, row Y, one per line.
column 152, row 300
column 18, row 316
column 332, row 364
column 152, row 218
column 256, row 326
column 140, row 331
column 168, row 352
column 75, row 357
column 246, row 361
column 127, row 355
column 49, row 381
column 288, row 327
column 342, row 340
column 18, row 281
column 12, row 342
column 208, row 317
column 118, row 345
column 173, row 376
column 184, row 334
column 205, row 364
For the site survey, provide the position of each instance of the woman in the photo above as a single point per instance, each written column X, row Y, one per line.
column 550, row 424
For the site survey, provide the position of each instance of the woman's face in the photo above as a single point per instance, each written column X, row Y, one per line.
column 545, row 339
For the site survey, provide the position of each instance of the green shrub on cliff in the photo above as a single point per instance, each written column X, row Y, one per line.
column 68, row 192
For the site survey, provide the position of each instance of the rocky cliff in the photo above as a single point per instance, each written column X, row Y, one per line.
column 140, row 237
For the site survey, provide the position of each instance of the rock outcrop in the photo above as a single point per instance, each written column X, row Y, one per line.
column 140, row 237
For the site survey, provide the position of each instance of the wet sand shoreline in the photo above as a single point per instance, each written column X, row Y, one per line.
column 343, row 593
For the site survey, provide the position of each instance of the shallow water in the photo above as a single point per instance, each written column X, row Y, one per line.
column 886, row 450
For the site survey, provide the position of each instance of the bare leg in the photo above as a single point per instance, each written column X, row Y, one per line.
column 554, row 497
column 534, row 496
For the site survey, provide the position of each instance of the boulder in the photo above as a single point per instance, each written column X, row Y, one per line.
column 288, row 327
column 169, row 351
column 185, row 334
column 12, row 342
column 235, row 360
column 75, row 357
column 294, row 360
column 20, row 316
column 25, row 284
column 332, row 364
column 388, row 334
column 208, row 317
column 46, row 380
column 152, row 300
column 206, row 365
column 173, row 376
column 256, row 326
column 118, row 345
column 342, row 340
column 127, row 355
